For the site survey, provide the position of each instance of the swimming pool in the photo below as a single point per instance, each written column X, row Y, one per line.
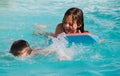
column 19, row 18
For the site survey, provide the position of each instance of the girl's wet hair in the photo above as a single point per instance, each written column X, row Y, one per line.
column 77, row 14
column 18, row 46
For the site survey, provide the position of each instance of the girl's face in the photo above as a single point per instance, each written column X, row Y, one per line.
column 69, row 25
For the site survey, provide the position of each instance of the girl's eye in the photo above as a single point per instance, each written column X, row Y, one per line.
column 70, row 24
column 65, row 23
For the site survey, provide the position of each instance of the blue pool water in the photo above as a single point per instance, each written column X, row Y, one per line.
column 19, row 19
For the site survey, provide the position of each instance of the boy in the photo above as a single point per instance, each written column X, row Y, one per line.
column 21, row 48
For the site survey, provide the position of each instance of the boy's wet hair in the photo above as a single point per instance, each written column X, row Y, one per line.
column 18, row 46
column 77, row 14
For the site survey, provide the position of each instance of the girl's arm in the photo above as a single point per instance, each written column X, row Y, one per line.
column 41, row 31
column 58, row 29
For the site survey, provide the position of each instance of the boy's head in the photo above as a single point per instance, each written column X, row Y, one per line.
column 20, row 48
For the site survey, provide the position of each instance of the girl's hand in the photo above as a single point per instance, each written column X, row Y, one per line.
column 41, row 26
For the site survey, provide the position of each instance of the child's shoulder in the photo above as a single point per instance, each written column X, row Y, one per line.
column 59, row 25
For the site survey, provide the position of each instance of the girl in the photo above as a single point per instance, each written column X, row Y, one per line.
column 73, row 22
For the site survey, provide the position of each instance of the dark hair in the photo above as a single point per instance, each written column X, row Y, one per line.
column 77, row 14
column 18, row 46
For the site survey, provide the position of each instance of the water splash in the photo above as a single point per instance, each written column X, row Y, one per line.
column 59, row 46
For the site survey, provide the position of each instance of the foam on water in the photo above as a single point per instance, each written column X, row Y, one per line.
column 74, row 51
